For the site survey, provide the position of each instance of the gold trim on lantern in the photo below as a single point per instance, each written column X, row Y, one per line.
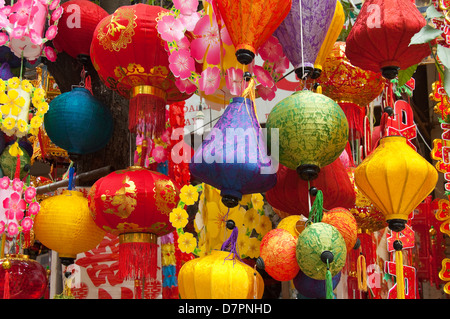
column 148, row 89
column 137, row 238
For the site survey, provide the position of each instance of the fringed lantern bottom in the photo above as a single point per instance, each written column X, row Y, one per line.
column 147, row 115
column 138, row 256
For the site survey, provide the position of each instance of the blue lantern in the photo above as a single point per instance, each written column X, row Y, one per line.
column 77, row 122
column 233, row 156
column 313, row 288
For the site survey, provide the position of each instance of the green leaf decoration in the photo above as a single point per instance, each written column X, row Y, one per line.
column 443, row 54
column 405, row 75
column 433, row 13
column 446, row 80
column 426, row 34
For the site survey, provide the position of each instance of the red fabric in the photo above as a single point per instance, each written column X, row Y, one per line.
column 138, row 260
column 76, row 26
column 290, row 194
column 382, row 33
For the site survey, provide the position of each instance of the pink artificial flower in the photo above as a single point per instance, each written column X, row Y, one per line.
column 281, row 65
column 263, row 76
column 53, row 5
column 4, row 182
column 267, row 94
column 50, row 53
column 3, row 20
column 207, row 43
column 13, row 229
column 185, row 86
column 27, row 224
column 183, row 43
column 170, row 28
column 186, row 7
column 18, row 32
column 57, row 14
column 21, row 11
column 159, row 154
column 51, row 32
column 271, row 50
column 234, row 79
column 210, row 80
column 2, row 227
column 35, row 37
column 14, row 206
column 181, row 64
column 30, row 194
column 6, row 10
column 3, row 38
column 190, row 21
column 34, row 208
column 165, row 136
column 17, row 185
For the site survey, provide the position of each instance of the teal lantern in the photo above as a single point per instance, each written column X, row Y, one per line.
column 313, row 132
column 77, row 122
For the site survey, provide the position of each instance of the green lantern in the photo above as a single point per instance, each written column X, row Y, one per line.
column 320, row 249
column 313, row 132
column 8, row 163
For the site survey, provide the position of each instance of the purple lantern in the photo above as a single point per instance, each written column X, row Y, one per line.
column 313, row 288
column 233, row 156
column 303, row 31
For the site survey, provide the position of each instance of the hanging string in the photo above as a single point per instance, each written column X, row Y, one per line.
column 301, row 40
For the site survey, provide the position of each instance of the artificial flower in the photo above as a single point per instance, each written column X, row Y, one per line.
column 253, row 245
column 159, row 154
column 264, row 225
column 198, row 223
column 11, row 102
column 30, row 194
column 3, row 20
column 51, row 32
column 18, row 32
column 257, row 201
column 181, row 64
column 36, row 121
column 267, row 94
column 9, row 123
column 4, row 182
column 17, row 185
column 22, row 125
column 14, row 205
column 15, row 150
column 251, row 218
column 263, row 76
column 13, row 83
column 271, row 50
column 210, row 80
column 27, row 224
column 281, row 65
column 50, row 53
column 189, row 194
column 26, row 86
column 57, row 14
column 235, row 80
column 185, row 86
column 42, row 108
column 178, row 217
column 187, row 243
column 22, row 11
column 189, row 21
column 206, row 45
column 170, row 28
column 34, row 208
column 13, row 229
column 2, row 227
column 241, row 244
column 3, row 38
column 39, row 94
column 186, row 7
column 2, row 85
column 35, row 38
column 53, row 5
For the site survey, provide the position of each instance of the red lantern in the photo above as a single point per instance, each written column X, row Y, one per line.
column 379, row 40
column 76, row 27
column 290, row 194
column 131, row 59
column 134, row 204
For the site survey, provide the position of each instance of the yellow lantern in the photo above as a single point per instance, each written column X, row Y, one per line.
column 396, row 179
column 64, row 224
column 217, row 276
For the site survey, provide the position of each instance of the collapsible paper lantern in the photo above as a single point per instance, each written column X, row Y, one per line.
column 134, row 204
column 294, row 224
column 290, row 193
column 313, row 132
column 396, row 179
column 303, row 31
column 345, row 223
column 26, row 278
column 334, row 30
column 318, row 245
column 219, row 276
column 313, row 288
column 64, row 224
column 379, row 40
column 79, row 123
column 130, row 58
column 251, row 22
column 277, row 253
column 233, row 157
column 76, row 27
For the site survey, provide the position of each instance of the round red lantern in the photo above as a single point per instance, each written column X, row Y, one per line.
column 130, row 58
column 345, row 223
column 290, row 193
column 379, row 40
column 134, row 204
column 76, row 27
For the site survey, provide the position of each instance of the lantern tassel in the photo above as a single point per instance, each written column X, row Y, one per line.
column 399, row 274
column 329, row 283
column 230, row 244
column 316, row 212
column 6, row 294
column 361, row 273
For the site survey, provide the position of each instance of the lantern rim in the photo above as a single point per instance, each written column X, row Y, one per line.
column 137, row 237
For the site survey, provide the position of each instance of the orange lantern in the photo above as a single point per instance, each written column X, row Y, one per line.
column 251, row 22
column 345, row 223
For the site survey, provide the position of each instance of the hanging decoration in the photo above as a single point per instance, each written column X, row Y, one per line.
column 303, row 31
column 379, row 40
column 226, row 162
column 11, row 165
column 120, row 51
column 308, row 287
column 294, row 224
column 303, row 120
column 23, row 24
column 345, row 223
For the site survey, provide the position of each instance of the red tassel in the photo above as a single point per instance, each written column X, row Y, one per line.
column 6, row 294
column 138, row 260
column 355, row 116
column 137, row 289
column 17, row 173
column 148, row 111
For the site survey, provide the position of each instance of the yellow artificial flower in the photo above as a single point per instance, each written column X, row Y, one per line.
column 242, row 243
column 178, row 217
column 36, row 122
column 2, row 85
column 187, row 243
column 15, row 150
column 42, row 108
column 39, row 94
column 251, row 218
column 13, row 83
column 189, row 194
column 253, row 245
column 22, row 125
column 257, row 201
column 12, row 102
column 26, row 86
column 9, row 123
column 264, row 225
column 34, row 131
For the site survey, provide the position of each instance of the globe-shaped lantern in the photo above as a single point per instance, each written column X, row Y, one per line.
column 313, row 288
column 134, row 204
column 79, row 123
column 312, row 130
column 345, row 223
column 130, row 58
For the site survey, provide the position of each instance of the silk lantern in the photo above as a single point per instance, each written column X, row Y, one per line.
column 379, row 40
column 312, row 130
column 303, row 31
column 345, row 223
column 277, row 254
column 218, row 276
column 64, row 224
column 313, row 288
column 290, row 193
column 251, row 22
column 233, row 157
column 130, row 58
column 76, row 27
column 294, row 224
column 334, row 30
column 134, row 204
column 396, row 179
column 79, row 123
